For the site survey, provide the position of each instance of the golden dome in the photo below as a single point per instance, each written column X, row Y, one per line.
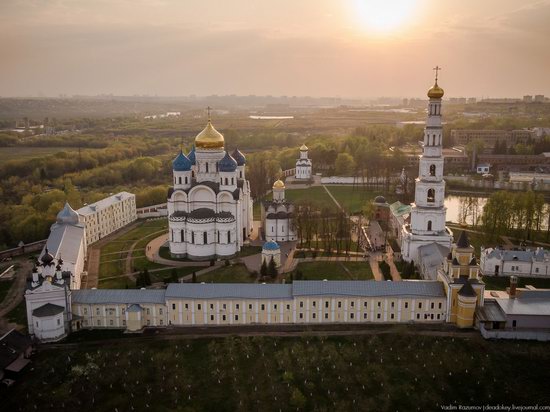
column 303, row 148
column 209, row 138
column 279, row 184
column 435, row 92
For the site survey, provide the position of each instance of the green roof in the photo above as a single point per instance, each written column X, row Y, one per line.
column 400, row 209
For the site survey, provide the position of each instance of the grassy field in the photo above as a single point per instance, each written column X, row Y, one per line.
column 502, row 282
column 391, row 371
column 335, row 270
column 228, row 274
column 352, row 199
column 18, row 153
column 113, row 253
column 315, row 194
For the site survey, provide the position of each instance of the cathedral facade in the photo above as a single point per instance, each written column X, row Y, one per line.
column 209, row 205
column 427, row 238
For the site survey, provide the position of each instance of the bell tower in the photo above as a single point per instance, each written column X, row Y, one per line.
column 428, row 211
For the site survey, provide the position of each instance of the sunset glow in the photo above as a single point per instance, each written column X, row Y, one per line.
column 384, row 16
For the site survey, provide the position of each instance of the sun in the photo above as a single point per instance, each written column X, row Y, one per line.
column 384, row 16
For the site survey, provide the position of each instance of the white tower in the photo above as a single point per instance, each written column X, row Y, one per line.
column 428, row 212
column 303, row 164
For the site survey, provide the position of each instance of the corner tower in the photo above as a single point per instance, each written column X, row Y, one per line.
column 428, row 212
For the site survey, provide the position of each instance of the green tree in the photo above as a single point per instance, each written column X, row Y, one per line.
column 272, row 268
column 194, row 277
column 344, row 165
column 263, row 269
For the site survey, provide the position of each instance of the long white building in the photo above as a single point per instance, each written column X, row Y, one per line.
column 209, row 205
column 521, row 263
column 108, row 215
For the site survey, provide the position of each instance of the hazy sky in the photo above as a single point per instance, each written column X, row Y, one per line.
column 348, row 48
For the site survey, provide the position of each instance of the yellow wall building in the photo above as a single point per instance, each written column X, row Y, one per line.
column 308, row 302
column 464, row 289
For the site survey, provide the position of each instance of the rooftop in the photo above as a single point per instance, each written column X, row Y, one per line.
column 104, row 203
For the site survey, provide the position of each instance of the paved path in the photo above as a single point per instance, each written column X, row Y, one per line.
column 373, row 260
column 333, row 198
column 16, row 293
column 129, row 256
column 396, row 276
column 94, row 254
column 152, row 253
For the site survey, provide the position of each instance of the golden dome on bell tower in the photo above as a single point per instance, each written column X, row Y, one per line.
column 209, row 138
column 435, row 91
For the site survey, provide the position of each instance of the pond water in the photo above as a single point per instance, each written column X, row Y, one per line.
column 464, row 209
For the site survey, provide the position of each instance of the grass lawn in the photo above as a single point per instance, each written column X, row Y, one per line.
column 316, row 194
column 228, row 274
column 334, row 270
column 381, row 372
column 113, row 253
column 5, row 286
column 502, row 282
column 352, row 199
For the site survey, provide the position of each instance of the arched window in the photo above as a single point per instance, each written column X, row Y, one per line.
column 182, row 234
column 205, row 238
column 432, row 170
column 179, row 180
column 206, row 167
column 431, row 196
column 429, row 225
column 193, row 237
column 228, row 236
column 218, row 236
column 226, row 181
column 186, row 181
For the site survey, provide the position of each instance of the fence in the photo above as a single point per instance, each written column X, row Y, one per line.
column 21, row 250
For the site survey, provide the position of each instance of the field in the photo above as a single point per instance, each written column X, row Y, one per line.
column 335, row 270
column 114, row 253
column 5, row 286
column 228, row 274
column 18, row 153
column 351, row 198
column 394, row 370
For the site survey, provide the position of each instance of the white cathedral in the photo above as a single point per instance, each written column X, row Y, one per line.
column 303, row 165
column 427, row 240
column 209, row 205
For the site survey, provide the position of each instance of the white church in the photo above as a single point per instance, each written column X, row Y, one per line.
column 277, row 216
column 426, row 240
column 209, row 205
column 303, row 165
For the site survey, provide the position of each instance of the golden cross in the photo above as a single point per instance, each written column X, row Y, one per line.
column 208, row 111
column 437, row 69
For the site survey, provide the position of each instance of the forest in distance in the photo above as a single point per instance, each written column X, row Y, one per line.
column 103, row 156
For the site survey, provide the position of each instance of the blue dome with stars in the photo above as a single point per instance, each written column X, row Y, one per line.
column 227, row 164
column 181, row 163
column 192, row 157
column 239, row 157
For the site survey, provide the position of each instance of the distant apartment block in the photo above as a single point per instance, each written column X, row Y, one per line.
column 108, row 215
column 491, row 137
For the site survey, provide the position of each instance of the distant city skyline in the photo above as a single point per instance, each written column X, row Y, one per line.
column 324, row 48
